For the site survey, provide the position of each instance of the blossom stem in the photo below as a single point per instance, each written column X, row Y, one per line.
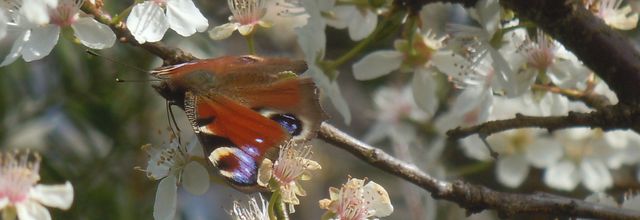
column 118, row 18
column 281, row 210
column 410, row 34
column 275, row 199
column 9, row 214
column 250, row 44
column 470, row 169
column 331, row 65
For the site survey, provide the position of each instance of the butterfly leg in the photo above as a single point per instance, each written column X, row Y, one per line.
column 172, row 121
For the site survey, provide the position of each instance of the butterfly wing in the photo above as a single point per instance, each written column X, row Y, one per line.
column 290, row 101
column 252, row 134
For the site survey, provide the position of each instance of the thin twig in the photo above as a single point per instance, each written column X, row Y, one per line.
column 169, row 55
column 589, row 98
column 606, row 118
column 472, row 197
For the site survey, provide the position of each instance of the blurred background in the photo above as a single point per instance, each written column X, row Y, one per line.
column 89, row 129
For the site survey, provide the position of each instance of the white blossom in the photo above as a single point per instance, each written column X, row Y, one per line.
column 357, row 201
column 246, row 15
column 394, row 105
column 360, row 21
column 293, row 164
column 519, row 149
column 614, row 14
column 173, row 165
column 19, row 192
column 588, row 156
column 149, row 20
column 380, row 63
column 548, row 57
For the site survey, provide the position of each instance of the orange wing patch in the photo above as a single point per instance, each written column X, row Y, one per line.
column 250, row 131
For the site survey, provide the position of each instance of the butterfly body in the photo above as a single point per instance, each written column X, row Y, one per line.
column 242, row 108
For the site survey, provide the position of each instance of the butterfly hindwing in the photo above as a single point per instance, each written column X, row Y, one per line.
column 252, row 134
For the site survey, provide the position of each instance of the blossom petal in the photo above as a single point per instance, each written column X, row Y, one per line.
column 512, row 170
column 362, row 24
column 147, row 22
column 223, row 31
column 4, row 201
column 377, row 64
column 36, row 12
column 544, row 152
column 424, row 90
column 246, row 29
column 377, row 199
column 16, row 49
column 3, row 24
column 93, row 34
column 185, row 18
column 332, row 90
column 31, row 210
column 473, row 147
column 58, row 196
column 265, row 172
column 164, row 207
column 595, row 175
column 562, row 175
column 487, row 13
column 195, row 178
column 41, row 42
column 341, row 16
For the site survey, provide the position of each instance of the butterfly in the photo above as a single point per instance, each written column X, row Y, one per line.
column 242, row 108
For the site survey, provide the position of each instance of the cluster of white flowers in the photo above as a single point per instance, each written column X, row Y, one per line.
column 498, row 69
column 35, row 26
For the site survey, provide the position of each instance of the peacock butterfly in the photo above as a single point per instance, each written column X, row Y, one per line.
column 242, row 108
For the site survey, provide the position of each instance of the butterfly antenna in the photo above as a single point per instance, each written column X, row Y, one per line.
column 172, row 122
column 118, row 80
column 93, row 53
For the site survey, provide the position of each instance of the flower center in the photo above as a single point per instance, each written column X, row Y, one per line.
column 66, row 13
column 247, row 11
column 519, row 141
column 541, row 53
column 174, row 159
column 352, row 205
column 18, row 173
column 291, row 163
column 161, row 3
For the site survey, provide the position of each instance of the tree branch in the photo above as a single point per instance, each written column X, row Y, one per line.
column 169, row 55
column 608, row 118
column 472, row 197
